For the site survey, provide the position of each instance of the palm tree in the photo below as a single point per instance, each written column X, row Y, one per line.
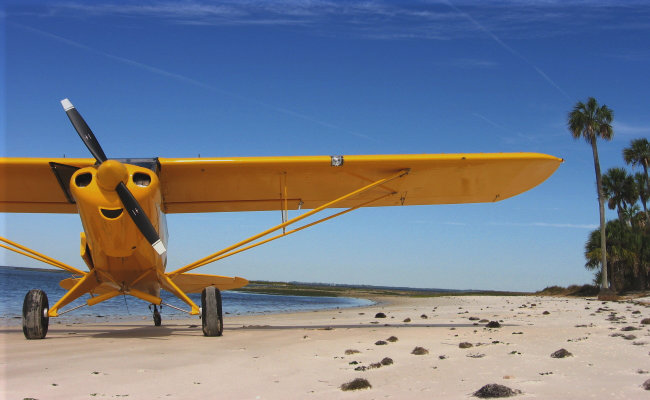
column 590, row 121
column 624, row 250
column 643, row 190
column 620, row 190
column 639, row 154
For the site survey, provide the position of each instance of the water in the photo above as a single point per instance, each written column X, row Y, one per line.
column 16, row 282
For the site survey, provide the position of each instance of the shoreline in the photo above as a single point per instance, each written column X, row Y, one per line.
column 303, row 354
column 13, row 321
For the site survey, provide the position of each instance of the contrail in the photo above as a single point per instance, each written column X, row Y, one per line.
column 188, row 80
column 509, row 49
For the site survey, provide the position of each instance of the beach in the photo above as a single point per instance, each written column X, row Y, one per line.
column 303, row 355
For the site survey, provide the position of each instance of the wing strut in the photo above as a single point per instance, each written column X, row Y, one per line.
column 27, row 252
column 283, row 234
column 228, row 251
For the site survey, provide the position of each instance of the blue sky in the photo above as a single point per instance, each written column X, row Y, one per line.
column 253, row 78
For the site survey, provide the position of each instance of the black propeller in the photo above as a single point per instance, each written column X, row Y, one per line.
column 130, row 203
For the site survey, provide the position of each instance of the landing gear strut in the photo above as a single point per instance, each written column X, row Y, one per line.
column 211, row 312
column 157, row 319
column 35, row 318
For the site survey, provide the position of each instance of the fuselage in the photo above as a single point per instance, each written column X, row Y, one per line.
column 111, row 242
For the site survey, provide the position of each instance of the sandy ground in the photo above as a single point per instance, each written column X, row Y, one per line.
column 302, row 355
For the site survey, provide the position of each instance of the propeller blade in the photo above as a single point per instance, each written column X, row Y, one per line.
column 84, row 131
column 140, row 218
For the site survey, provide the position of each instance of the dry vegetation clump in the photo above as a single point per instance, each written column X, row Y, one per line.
column 419, row 351
column 573, row 290
column 380, row 315
column 392, row 339
column 561, row 354
column 356, row 384
column 494, row 390
column 351, row 351
column 646, row 384
column 629, row 328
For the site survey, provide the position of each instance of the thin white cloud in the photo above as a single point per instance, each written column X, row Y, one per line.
column 374, row 19
column 191, row 81
column 513, row 136
column 509, row 49
column 467, row 63
column 627, row 129
column 489, row 121
column 546, row 224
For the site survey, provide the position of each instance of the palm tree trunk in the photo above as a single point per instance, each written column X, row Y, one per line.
column 601, row 209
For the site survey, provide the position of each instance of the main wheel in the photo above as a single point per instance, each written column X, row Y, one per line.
column 35, row 318
column 157, row 319
column 211, row 312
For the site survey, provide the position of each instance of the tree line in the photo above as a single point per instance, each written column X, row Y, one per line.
column 619, row 251
column 628, row 236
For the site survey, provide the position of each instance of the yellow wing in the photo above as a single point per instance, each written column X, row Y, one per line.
column 258, row 183
column 31, row 184
column 262, row 183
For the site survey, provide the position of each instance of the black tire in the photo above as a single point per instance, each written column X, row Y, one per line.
column 157, row 319
column 35, row 318
column 211, row 312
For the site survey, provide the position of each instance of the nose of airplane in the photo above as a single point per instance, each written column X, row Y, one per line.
column 110, row 173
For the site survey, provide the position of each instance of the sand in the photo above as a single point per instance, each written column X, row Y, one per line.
column 302, row 355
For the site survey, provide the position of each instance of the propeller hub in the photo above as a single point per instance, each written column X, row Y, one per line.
column 110, row 173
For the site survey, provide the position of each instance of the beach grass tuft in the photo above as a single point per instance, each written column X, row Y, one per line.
column 357, row 384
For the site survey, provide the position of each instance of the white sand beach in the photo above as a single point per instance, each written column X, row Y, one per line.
column 303, row 355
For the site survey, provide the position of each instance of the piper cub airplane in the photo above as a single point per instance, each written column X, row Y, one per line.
column 122, row 204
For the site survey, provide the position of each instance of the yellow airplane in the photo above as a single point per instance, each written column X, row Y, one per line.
column 122, row 206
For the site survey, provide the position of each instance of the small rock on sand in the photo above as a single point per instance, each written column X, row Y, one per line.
column 381, row 342
column 645, row 321
column 494, row 390
column 407, row 320
column 465, row 345
column 356, row 384
column 561, row 354
column 380, row 315
column 629, row 328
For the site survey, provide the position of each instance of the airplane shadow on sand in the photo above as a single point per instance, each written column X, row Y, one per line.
column 114, row 331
